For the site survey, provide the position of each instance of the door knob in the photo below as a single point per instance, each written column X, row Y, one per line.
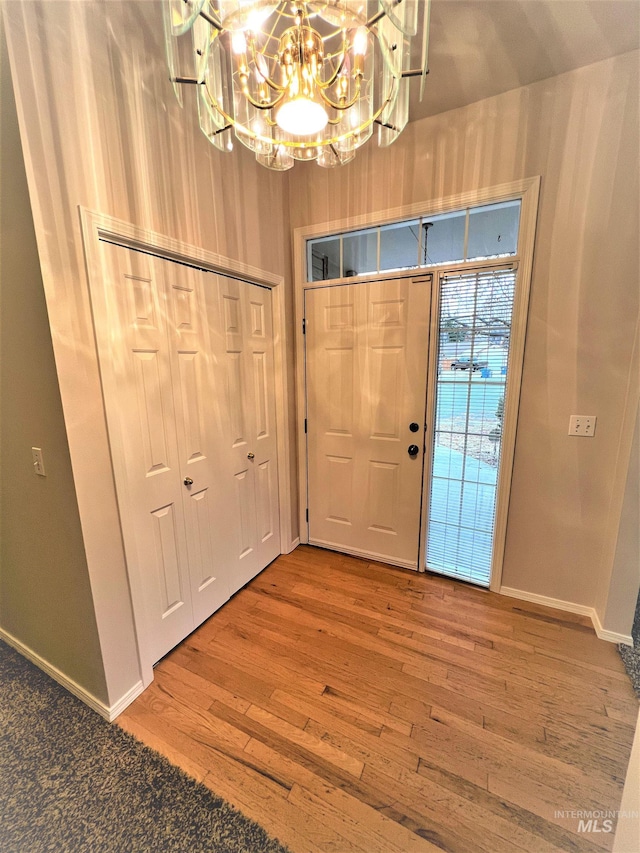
column 188, row 481
column 413, row 450
column 251, row 455
column 414, row 427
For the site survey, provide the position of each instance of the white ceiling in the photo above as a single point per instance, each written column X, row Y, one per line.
column 480, row 48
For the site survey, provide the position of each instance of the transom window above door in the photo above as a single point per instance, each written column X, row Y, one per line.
column 471, row 234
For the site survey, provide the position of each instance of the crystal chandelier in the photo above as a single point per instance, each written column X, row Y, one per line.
column 296, row 80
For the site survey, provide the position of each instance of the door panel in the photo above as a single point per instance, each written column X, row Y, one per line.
column 267, row 511
column 167, row 559
column 136, row 309
column 245, row 353
column 194, row 386
column 366, row 351
column 202, row 553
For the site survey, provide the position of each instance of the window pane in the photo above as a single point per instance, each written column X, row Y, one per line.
column 493, row 230
column 399, row 245
column 475, row 324
column 360, row 252
column 324, row 259
column 443, row 239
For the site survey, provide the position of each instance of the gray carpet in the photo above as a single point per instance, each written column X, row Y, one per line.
column 631, row 655
column 72, row 783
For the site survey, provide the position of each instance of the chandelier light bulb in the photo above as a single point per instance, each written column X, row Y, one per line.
column 302, row 117
column 238, row 42
column 360, row 41
column 254, row 15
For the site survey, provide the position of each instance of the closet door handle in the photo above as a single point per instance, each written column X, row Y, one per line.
column 188, row 481
column 251, row 455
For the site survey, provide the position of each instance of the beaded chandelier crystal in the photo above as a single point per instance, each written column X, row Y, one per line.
column 295, row 80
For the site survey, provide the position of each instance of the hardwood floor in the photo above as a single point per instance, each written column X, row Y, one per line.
column 349, row 706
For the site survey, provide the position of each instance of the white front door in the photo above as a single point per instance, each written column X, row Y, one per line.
column 189, row 390
column 366, row 374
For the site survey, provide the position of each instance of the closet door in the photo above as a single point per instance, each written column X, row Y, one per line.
column 132, row 321
column 243, row 319
column 186, row 359
column 199, row 433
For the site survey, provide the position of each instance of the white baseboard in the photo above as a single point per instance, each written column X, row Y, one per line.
column 569, row 607
column 611, row 636
column 108, row 712
column 556, row 603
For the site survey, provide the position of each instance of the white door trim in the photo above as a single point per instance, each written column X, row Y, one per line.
column 98, row 227
column 527, row 190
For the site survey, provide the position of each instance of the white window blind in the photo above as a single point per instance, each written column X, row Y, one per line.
column 474, row 335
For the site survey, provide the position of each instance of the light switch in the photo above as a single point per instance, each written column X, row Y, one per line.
column 38, row 461
column 582, row 425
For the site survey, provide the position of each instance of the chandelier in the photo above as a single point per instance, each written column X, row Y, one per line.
column 296, row 80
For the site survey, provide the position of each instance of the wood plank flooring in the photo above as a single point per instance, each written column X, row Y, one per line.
column 348, row 706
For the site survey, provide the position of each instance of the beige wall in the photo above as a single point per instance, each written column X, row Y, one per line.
column 101, row 128
column 45, row 597
column 579, row 132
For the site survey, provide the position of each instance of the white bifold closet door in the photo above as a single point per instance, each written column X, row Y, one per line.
column 174, row 382
column 366, row 375
column 244, row 347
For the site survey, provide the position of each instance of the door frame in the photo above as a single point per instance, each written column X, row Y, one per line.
column 99, row 227
column 527, row 190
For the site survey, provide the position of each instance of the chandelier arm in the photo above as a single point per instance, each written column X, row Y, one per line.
column 334, row 76
column 211, row 20
column 345, row 106
column 222, row 130
column 379, row 15
column 385, row 124
column 260, row 106
column 270, row 83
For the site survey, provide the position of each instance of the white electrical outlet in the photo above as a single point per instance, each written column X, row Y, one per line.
column 582, row 425
column 38, row 461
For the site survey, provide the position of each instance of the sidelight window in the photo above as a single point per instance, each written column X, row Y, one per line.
column 473, row 353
